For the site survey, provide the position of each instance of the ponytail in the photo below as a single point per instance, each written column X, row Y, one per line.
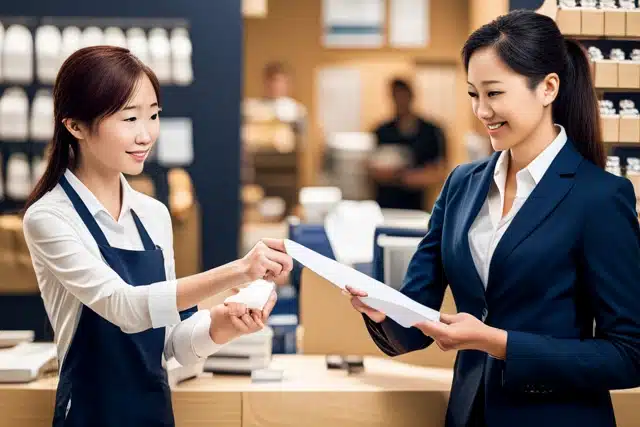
column 63, row 147
column 576, row 107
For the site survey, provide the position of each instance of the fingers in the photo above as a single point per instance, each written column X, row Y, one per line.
column 271, row 302
column 355, row 292
column 276, row 244
column 447, row 319
column 238, row 324
column 271, row 266
column 282, row 259
column 236, row 309
column 435, row 330
column 255, row 315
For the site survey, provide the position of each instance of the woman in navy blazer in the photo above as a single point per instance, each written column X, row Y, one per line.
column 552, row 324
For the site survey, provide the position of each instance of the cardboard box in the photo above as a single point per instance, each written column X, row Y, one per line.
column 569, row 21
column 615, row 23
column 606, row 74
column 332, row 326
column 633, row 23
column 629, row 129
column 592, row 23
column 629, row 74
column 610, row 128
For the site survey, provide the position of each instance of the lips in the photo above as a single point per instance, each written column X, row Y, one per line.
column 138, row 155
column 495, row 126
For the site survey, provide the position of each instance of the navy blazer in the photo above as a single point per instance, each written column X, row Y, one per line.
column 571, row 256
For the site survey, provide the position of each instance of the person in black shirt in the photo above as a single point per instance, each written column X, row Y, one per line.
column 421, row 146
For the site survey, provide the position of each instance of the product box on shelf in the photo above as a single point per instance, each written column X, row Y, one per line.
column 592, row 22
column 633, row 23
column 569, row 21
column 606, row 73
column 629, row 74
column 629, row 129
column 610, row 128
column 615, row 23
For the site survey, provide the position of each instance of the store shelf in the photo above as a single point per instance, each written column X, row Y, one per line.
column 617, row 89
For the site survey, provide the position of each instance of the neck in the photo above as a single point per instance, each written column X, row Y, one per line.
column 526, row 151
column 105, row 186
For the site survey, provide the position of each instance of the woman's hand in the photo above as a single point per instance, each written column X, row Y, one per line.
column 266, row 260
column 355, row 295
column 463, row 331
column 231, row 320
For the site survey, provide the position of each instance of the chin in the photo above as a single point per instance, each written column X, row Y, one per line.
column 500, row 145
column 133, row 169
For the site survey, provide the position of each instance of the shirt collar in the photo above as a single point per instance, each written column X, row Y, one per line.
column 538, row 167
column 93, row 204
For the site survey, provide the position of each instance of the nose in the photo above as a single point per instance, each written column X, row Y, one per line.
column 483, row 110
column 143, row 137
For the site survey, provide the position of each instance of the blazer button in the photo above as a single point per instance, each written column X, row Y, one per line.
column 485, row 313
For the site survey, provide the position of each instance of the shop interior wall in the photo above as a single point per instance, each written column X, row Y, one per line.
column 292, row 33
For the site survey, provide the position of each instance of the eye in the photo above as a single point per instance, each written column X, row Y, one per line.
column 494, row 93
column 131, row 119
column 473, row 94
column 155, row 116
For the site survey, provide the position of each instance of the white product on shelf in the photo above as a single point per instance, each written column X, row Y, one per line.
column 160, row 54
column 1, row 45
column 26, row 362
column 13, row 338
column 14, row 111
column 92, row 36
column 18, row 177
column 138, row 44
column 48, row 47
column 244, row 354
column 317, row 202
column 175, row 142
column 181, row 50
column 17, row 52
column 114, row 36
column 38, row 166
column 42, row 116
column 71, row 41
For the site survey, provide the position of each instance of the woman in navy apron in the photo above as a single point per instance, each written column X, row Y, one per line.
column 106, row 105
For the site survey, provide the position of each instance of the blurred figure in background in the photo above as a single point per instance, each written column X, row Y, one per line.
column 410, row 157
column 276, row 95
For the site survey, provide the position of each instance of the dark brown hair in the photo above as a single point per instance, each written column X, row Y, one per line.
column 92, row 84
column 532, row 45
column 273, row 69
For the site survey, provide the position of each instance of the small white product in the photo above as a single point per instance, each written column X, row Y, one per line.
column 114, row 36
column 254, row 296
column 14, row 115
column 42, row 116
column 160, row 54
column 18, row 177
column 17, row 52
column 92, row 36
column 48, row 47
column 1, row 44
column 71, row 41
column 138, row 44
column 38, row 167
column 181, row 49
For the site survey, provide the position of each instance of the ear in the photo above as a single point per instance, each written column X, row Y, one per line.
column 75, row 128
column 550, row 87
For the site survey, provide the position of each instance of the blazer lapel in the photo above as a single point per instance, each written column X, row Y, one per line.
column 550, row 191
column 476, row 195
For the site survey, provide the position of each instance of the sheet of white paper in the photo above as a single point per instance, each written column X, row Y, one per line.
column 383, row 298
column 254, row 296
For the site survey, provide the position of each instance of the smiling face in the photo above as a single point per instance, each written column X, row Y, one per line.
column 121, row 142
column 503, row 101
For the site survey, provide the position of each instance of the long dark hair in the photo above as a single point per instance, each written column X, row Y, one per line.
column 93, row 83
column 532, row 45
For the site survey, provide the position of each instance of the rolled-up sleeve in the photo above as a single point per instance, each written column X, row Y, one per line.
column 53, row 241
column 190, row 341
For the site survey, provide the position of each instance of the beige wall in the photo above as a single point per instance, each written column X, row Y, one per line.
column 292, row 32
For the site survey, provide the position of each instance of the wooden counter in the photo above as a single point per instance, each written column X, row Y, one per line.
column 386, row 393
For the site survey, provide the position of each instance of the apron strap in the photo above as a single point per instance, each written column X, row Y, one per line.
column 144, row 236
column 84, row 213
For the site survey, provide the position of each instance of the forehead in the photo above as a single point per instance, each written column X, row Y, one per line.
column 144, row 90
column 486, row 65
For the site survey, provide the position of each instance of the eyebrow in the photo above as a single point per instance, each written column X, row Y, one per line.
column 133, row 107
column 486, row 82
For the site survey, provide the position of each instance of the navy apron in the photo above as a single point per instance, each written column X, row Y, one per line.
column 111, row 378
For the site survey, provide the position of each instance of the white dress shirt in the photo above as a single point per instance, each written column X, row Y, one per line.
column 489, row 226
column 71, row 271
